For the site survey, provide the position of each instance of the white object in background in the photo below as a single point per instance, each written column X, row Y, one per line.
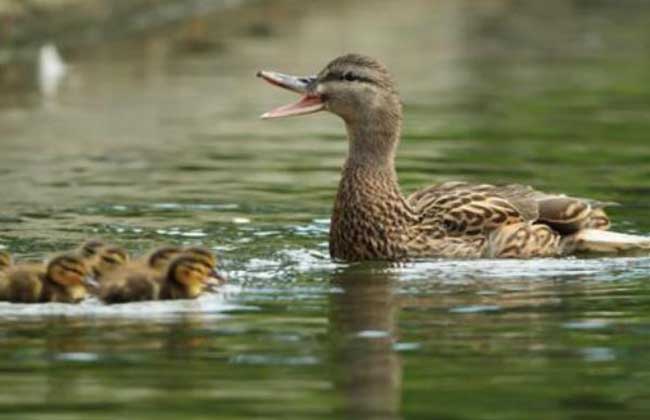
column 51, row 70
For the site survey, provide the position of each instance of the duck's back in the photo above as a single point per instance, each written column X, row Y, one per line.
column 514, row 220
column 130, row 285
column 24, row 285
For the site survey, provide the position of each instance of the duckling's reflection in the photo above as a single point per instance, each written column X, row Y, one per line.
column 363, row 323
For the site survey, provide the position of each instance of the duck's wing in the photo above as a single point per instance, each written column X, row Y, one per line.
column 469, row 209
column 464, row 209
column 129, row 284
column 516, row 221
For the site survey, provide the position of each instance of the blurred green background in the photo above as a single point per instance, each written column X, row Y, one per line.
column 136, row 121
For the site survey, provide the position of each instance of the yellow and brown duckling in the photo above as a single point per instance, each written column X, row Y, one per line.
column 138, row 280
column 218, row 277
column 167, row 273
column 108, row 259
column 159, row 258
column 188, row 275
column 102, row 257
column 6, row 260
column 89, row 248
column 372, row 220
column 63, row 279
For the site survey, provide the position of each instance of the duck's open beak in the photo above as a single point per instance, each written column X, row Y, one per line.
column 309, row 103
column 90, row 282
column 216, row 279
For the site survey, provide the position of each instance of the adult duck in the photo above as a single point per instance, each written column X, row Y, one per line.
column 372, row 220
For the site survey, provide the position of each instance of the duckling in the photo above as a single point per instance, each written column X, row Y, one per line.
column 5, row 260
column 101, row 257
column 217, row 278
column 62, row 280
column 186, row 277
column 107, row 259
column 138, row 280
column 159, row 258
column 89, row 248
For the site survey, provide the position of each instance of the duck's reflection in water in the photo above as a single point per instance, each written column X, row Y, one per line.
column 363, row 327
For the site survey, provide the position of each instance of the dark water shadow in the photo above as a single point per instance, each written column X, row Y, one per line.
column 363, row 328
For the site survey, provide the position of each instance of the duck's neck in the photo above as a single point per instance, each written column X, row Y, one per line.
column 370, row 214
column 373, row 140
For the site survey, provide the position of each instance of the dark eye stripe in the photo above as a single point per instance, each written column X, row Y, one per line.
column 191, row 264
column 346, row 77
column 90, row 248
column 73, row 269
column 89, row 251
column 190, row 267
column 110, row 260
column 204, row 263
column 117, row 252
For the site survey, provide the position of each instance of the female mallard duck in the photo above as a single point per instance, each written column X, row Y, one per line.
column 62, row 280
column 186, row 275
column 373, row 220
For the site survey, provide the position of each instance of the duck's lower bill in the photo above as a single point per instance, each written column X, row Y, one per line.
column 306, row 105
column 309, row 103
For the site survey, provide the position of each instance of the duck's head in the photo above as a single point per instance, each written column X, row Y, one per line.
column 68, row 270
column 159, row 259
column 208, row 258
column 5, row 259
column 107, row 259
column 192, row 274
column 352, row 86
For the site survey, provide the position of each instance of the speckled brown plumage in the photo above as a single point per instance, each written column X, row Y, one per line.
column 372, row 220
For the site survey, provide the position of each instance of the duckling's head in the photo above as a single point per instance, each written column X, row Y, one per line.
column 353, row 86
column 208, row 258
column 159, row 259
column 192, row 274
column 68, row 270
column 107, row 259
column 90, row 248
column 5, row 259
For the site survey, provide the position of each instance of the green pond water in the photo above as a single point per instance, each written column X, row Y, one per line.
column 154, row 138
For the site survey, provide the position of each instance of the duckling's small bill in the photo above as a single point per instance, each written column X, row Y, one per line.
column 309, row 103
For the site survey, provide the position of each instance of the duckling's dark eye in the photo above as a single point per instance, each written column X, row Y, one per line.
column 348, row 77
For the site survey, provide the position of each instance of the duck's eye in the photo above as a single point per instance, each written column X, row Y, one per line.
column 348, row 77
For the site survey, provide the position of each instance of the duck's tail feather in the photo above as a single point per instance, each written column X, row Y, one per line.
column 603, row 241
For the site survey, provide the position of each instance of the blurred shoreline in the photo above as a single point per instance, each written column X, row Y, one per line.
column 25, row 25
